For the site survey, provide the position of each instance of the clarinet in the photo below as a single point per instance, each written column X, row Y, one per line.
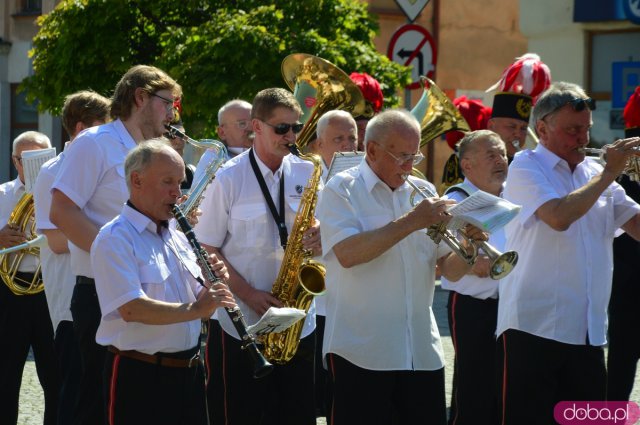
column 261, row 367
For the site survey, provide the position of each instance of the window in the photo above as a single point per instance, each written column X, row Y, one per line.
column 31, row 7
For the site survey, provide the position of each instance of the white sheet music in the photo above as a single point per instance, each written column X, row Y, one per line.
column 31, row 163
column 343, row 161
column 484, row 210
column 276, row 320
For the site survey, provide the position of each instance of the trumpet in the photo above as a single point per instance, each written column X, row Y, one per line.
column 501, row 264
column 632, row 169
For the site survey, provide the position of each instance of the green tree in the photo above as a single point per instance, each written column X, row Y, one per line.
column 217, row 49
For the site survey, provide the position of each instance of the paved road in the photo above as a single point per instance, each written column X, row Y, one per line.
column 32, row 404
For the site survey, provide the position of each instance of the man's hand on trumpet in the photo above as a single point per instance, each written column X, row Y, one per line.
column 617, row 155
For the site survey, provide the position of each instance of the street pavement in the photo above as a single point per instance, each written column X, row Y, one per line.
column 32, row 403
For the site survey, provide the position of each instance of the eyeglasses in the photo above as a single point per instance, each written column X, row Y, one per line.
column 242, row 124
column 404, row 158
column 168, row 103
column 282, row 128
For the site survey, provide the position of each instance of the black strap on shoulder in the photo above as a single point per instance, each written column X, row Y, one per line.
column 456, row 189
column 278, row 218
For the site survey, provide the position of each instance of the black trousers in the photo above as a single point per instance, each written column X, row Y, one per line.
column 284, row 397
column 372, row 397
column 472, row 323
column 143, row 393
column 538, row 373
column 24, row 323
column 68, row 356
column 321, row 375
column 214, row 376
column 85, row 311
column 624, row 344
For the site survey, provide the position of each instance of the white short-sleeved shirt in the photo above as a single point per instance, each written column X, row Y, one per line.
column 236, row 219
column 379, row 314
column 472, row 285
column 130, row 260
column 560, row 289
column 92, row 176
column 10, row 194
column 58, row 278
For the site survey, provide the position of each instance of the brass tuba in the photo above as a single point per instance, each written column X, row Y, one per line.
column 22, row 218
column 300, row 278
column 319, row 86
column 436, row 113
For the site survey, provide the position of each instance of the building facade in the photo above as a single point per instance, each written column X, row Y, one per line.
column 590, row 42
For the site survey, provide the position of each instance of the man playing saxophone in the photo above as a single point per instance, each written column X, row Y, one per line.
column 381, row 342
column 247, row 212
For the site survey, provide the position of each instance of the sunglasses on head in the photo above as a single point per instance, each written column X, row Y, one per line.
column 579, row 104
column 282, row 128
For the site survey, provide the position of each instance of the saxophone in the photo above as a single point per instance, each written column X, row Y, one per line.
column 300, row 278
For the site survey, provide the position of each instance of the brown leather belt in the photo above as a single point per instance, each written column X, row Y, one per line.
column 157, row 360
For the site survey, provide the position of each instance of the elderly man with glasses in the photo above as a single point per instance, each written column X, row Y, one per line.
column 381, row 342
column 552, row 314
column 234, row 130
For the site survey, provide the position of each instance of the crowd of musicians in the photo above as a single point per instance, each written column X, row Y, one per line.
column 117, row 334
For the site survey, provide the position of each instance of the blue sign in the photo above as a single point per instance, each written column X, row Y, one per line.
column 610, row 10
column 625, row 77
column 632, row 10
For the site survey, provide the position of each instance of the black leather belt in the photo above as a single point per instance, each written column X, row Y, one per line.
column 160, row 359
column 83, row 280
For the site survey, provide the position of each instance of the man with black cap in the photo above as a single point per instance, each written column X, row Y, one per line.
column 518, row 87
column 624, row 347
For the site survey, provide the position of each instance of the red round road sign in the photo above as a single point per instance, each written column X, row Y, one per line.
column 412, row 45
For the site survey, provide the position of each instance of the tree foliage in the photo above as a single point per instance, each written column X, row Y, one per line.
column 217, row 49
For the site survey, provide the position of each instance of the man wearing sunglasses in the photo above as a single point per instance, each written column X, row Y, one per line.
column 552, row 308
column 248, row 211
column 89, row 191
column 235, row 131
column 381, row 342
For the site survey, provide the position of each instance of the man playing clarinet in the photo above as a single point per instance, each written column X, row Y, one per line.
column 152, row 303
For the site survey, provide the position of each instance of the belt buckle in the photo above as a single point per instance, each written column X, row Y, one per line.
column 193, row 360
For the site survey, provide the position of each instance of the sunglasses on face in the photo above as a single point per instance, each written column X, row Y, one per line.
column 282, row 128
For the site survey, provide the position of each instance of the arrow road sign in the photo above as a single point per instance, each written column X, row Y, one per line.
column 412, row 45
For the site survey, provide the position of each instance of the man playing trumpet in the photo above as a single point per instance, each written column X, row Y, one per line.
column 552, row 310
column 381, row 342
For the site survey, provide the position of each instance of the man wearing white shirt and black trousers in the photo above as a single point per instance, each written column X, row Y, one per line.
column 80, row 111
column 90, row 190
column 24, row 319
column 473, row 300
column 149, row 287
column 240, row 223
column 552, row 308
column 381, row 342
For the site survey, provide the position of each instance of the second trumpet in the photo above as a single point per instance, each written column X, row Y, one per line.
column 501, row 264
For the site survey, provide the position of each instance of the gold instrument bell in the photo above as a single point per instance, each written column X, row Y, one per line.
column 22, row 217
column 436, row 113
column 319, row 86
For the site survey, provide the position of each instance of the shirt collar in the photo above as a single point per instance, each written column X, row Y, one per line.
column 236, row 150
column 549, row 159
column 139, row 221
column 266, row 171
column 18, row 185
column 371, row 179
column 124, row 135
